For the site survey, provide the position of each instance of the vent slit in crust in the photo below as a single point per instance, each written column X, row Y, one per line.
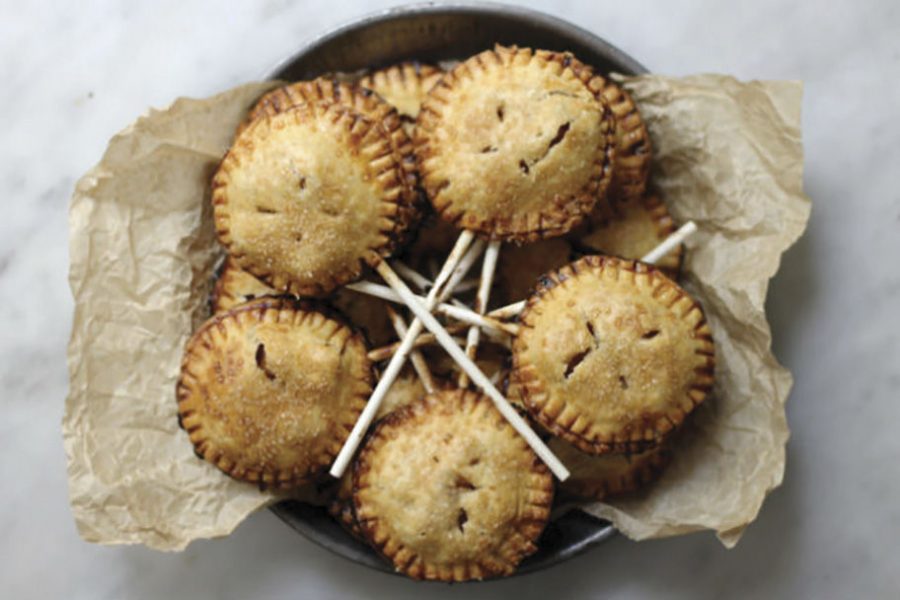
column 541, row 181
column 283, row 431
column 655, row 365
column 450, row 507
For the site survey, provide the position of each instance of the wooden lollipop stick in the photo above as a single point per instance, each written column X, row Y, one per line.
column 385, row 293
column 670, row 243
column 415, row 357
column 460, row 313
column 460, row 253
column 459, row 272
column 494, row 329
column 411, row 275
column 424, row 339
column 480, row 379
column 666, row 246
column 375, row 289
column 423, row 283
column 465, row 286
column 482, row 297
column 396, row 363
column 491, row 322
column 509, row 311
column 467, row 315
column 425, row 318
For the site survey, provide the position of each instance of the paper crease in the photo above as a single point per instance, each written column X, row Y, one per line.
column 726, row 154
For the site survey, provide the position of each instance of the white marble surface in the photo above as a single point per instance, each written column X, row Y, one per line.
column 75, row 73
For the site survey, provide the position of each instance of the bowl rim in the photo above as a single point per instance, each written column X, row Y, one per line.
column 295, row 515
column 478, row 8
column 545, row 21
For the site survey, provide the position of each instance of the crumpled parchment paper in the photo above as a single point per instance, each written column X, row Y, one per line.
column 727, row 154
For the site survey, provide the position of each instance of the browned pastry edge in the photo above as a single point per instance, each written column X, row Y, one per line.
column 219, row 292
column 633, row 148
column 665, row 226
column 647, row 471
column 565, row 213
column 215, row 293
column 530, row 530
column 365, row 102
column 363, row 132
column 205, row 448
column 420, row 71
column 655, row 431
column 341, row 509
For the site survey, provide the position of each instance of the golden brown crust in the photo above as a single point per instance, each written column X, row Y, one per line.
column 446, row 490
column 608, row 475
column 367, row 313
column 327, row 91
column 235, row 286
column 630, row 229
column 633, row 149
column 492, row 359
column 407, row 389
column 536, row 144
column 612, row 355
column 341, row 506
column 305, row 198
column 270, row 390
column 404, row 86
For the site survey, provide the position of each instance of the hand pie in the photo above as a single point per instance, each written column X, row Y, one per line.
column 608, row 475
column 367, row 313
column 514, row 144
column 611, row 355
column 632, row 165
column 447, row 490
column 270, row 390
column 630, row 229
column 406, row 390
column 362, row 101
column 305, row 198
column 235, row 286
column 403, row 86
column 340, row 507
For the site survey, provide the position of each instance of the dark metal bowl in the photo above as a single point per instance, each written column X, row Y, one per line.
column 434, row 32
